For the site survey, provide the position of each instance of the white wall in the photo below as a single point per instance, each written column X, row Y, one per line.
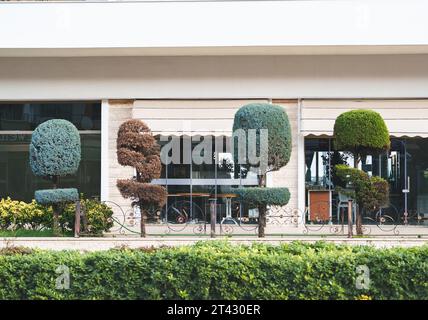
column 112, row 28
column 364, row 76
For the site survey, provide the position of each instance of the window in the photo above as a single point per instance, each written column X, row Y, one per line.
column 196, row 183
column 18, row 120
column 405, row 167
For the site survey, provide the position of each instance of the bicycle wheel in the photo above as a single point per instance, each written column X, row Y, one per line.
column 183, row 212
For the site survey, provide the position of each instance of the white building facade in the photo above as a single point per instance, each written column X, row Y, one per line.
column 180, row 64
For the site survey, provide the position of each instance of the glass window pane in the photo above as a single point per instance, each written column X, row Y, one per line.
column 16, row 178
column 18, row 181
column 27, row 116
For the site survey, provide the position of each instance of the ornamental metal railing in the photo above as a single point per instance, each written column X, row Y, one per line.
column 188, row 219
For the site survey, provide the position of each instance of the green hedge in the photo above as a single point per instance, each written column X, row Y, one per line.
column 218, row 270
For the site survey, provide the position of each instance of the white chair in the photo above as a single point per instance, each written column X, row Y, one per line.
column 343, row 203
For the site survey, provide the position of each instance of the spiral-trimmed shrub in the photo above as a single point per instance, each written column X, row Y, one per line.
column 136, row 147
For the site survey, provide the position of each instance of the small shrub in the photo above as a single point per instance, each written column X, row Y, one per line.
column 21, row 215
column 14, row 250
column 370, row 192
column 99, row 216
column 220, row 270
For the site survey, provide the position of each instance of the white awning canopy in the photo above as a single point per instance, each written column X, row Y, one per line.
column 404, row 118
column 189, row 117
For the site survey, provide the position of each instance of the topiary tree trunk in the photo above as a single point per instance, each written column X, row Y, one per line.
column 261, row 197
column 143, row 219
column 56, row 228
column 56, row 209
column 262, row 209
column 262, row 221
column 358, row 213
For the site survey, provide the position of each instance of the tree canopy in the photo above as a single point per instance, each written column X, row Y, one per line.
column 272, row 117
column 361, row 132
column 55, row 149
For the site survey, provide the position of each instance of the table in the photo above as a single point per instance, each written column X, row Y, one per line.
column 228, row 200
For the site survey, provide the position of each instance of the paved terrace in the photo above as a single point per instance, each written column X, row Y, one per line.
column 110, row 242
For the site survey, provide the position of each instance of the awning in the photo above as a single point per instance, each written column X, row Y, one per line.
column 189, row 117
column 404, row 118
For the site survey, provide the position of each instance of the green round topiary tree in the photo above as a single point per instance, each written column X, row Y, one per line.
column 263, row 132
column 361, row 132
column 55, row 152
column 272, row 117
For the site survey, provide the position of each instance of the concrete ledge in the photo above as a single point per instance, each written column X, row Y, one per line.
column 95, row 244
column 126, row 28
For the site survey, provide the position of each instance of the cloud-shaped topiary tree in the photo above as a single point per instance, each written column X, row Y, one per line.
column 255, row 117
column 136, row 147
column 361, row 132
column 55, row 152
column 370, row 192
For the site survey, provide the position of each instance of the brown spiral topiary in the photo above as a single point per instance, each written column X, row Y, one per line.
column 136, row 147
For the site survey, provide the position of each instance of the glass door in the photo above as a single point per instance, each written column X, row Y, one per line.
column 417, row 180
column 405, row 167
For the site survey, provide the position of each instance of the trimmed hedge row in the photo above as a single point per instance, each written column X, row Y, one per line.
column 218, row 270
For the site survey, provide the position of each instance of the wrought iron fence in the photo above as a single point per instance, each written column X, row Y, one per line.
column 186, row 218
